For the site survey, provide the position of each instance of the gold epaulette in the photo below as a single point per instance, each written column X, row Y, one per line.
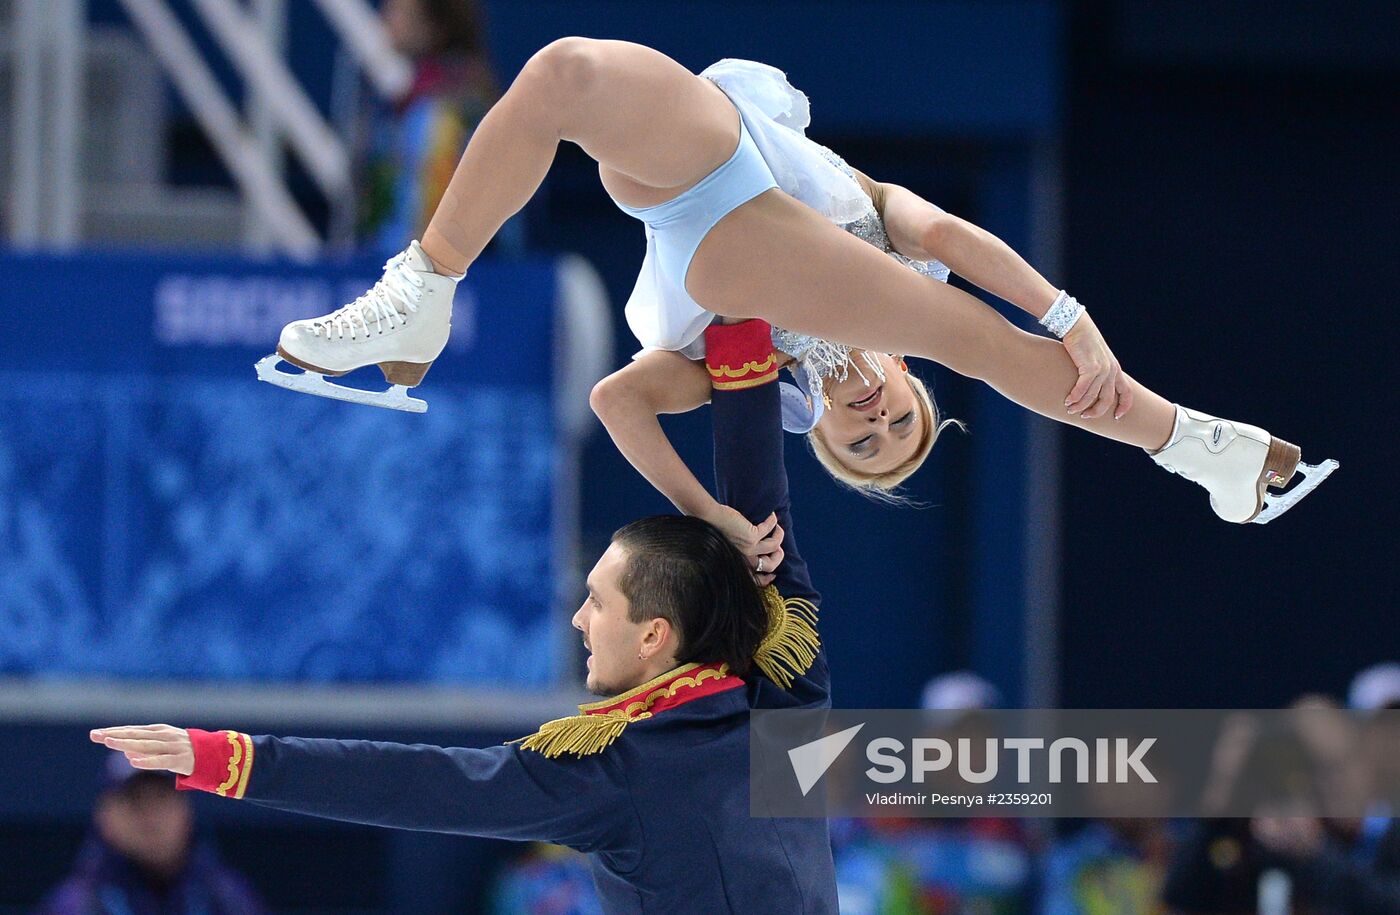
column 792, row 643
column 600, row 723
column 582, row 735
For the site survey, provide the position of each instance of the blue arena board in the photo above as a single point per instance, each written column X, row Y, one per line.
column 165, row 515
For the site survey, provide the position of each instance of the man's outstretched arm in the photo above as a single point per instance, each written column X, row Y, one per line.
column 499, row 792
column 748, row 436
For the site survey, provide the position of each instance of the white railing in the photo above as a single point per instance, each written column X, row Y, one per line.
column 361, row 31
column 262, row 186
column 319, row 149
column 47, row 112
column 45, row 185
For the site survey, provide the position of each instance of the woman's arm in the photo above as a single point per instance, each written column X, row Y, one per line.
column 629, row 401
column 920, row 230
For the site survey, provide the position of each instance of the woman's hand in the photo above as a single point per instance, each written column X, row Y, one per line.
column 761, row 544
column 150, row 746
column 1102, row 387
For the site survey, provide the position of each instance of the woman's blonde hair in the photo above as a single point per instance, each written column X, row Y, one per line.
column 884, row 486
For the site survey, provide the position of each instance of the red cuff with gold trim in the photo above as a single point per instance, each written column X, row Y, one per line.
column 223, row 762
column 740, row 355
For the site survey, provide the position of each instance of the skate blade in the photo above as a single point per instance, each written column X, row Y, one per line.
column 396, row 398
column 1277, row 504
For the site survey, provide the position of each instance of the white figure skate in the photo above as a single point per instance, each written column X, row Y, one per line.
column 401, row 325
column 1237, row 463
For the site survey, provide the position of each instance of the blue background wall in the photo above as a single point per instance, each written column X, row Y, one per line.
column 164, row 515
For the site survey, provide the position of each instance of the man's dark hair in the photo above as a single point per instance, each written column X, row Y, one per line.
column 684, row 570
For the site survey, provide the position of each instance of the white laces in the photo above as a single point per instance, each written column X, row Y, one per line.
column 400, row 283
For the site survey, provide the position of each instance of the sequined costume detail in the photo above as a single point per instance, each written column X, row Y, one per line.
column 821, row 359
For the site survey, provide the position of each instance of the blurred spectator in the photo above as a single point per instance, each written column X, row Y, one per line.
column 142, row 857
column 1109, row 867
column 1217, row 867
column 932, row 866
column 961, row 690
column 927, row 866
column 1347, row 865
column 1376, row 688
column 1334, row 865
column 1110, row 864
column 546, row 880
column 415, row 143
column 1215, row 870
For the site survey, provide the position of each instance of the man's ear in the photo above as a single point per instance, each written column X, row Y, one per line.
column 658, row 631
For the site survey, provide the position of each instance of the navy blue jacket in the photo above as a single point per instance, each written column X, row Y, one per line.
column 663, row 811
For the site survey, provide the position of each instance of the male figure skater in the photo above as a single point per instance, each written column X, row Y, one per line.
column 653, row 782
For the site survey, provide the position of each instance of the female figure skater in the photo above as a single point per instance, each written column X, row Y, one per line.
column 742, row 219
column 841, row 395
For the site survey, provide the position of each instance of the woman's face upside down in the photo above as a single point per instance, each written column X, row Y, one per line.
column 873, row 428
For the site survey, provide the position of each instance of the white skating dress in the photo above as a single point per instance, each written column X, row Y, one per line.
column 775, row 117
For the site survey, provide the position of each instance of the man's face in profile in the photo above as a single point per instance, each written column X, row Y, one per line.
column 613, row 640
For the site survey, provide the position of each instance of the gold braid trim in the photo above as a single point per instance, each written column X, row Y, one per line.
column 748, row 368
column 746, row 383
column 792, row 643
column 604, row 704
column 580, row 734
column 240, row 765
column 594, row 730
column 247, row 766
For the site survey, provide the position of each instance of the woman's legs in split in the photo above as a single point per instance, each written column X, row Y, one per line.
column 656, row 129
column 649, row 122
column 841, row 288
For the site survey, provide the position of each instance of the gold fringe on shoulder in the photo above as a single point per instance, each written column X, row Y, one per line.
column 791, row 645
column 582, row 735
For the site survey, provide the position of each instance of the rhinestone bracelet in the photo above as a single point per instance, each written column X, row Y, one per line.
column 1063, row 314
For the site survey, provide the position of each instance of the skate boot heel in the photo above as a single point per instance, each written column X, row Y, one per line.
column 1279, row 465
column 408, row 374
